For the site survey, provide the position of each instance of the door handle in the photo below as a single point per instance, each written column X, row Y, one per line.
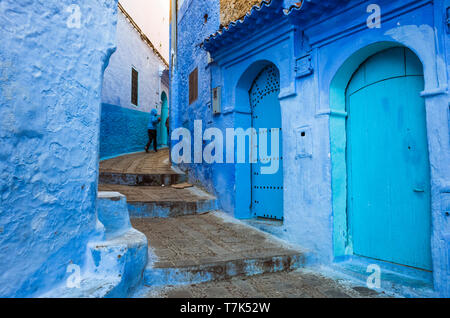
column 419, row 190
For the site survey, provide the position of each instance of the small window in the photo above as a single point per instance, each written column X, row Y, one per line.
column 134, row 87
column 193, row 86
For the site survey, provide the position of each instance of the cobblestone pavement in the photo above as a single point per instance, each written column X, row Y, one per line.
column 206, row 239
column 299, row 284
column 139, row 163
column 157, row 194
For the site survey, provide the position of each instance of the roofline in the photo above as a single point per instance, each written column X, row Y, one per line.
column 299, row 13
column 142, row 34
column 254, row 10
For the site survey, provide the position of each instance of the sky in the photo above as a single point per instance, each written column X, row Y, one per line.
column 152, row 16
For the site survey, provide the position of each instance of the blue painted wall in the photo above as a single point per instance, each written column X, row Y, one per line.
column 217, row 178
column 122, row 130
column 315, row 64
column 51, row 76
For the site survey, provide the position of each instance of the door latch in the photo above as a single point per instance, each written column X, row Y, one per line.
column 419, row 190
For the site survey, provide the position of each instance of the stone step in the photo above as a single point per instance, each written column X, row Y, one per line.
column 114, row 260
column 140, row 179
column 302, row 283
column 406, row 281
column 141, row 169
column 211, row 247
column 221, row 270
column 163, row 202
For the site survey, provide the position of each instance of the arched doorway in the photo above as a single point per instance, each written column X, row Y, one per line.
column 162, row 130
column 388, row 170
column 267, row 189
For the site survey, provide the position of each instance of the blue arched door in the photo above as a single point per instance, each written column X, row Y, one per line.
column 267, row 189
column 389, row 198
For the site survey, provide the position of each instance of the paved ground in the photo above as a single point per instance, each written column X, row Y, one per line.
column 206, row 239
column 139, row 163
column 190, row 248
column 298, row 284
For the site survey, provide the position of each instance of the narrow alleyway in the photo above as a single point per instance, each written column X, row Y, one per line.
column 197, row 251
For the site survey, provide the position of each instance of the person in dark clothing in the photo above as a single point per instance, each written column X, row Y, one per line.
column 152, row 128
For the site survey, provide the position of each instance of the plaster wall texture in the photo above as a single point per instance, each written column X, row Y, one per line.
column 315, row 188
column 122, row 131
column 115, row 260
column 124, row 125
column 49, row 136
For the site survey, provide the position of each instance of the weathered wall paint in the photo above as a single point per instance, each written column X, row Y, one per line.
column 124, row 125
column 49, row 136
column 312, row 100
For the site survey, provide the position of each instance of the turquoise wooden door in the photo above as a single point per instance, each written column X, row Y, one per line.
column 389, row 198
column 267, row 189
column 162, row 129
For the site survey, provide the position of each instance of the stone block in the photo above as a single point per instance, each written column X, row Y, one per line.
column 113, row 213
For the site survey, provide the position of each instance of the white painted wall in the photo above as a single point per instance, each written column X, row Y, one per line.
column 132, row 52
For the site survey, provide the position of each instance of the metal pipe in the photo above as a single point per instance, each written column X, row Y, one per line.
column 174, row 33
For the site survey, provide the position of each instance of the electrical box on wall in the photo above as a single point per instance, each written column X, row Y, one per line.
column 217, row 100
column 304, row 142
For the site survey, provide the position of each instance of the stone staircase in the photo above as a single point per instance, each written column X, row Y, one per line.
column 189, row 240
column 210, row 247
column 150, row 185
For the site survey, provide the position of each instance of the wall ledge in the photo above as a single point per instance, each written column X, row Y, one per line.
column 287, row 94
column 434, row 92
column 331, row 113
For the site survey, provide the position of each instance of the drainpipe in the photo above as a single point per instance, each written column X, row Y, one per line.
column 173, row 64
column 174, row 25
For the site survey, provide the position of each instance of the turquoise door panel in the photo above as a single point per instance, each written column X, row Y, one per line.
column 389, row 64
column 267, row 189
column 389, row 199
column 162, row 129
